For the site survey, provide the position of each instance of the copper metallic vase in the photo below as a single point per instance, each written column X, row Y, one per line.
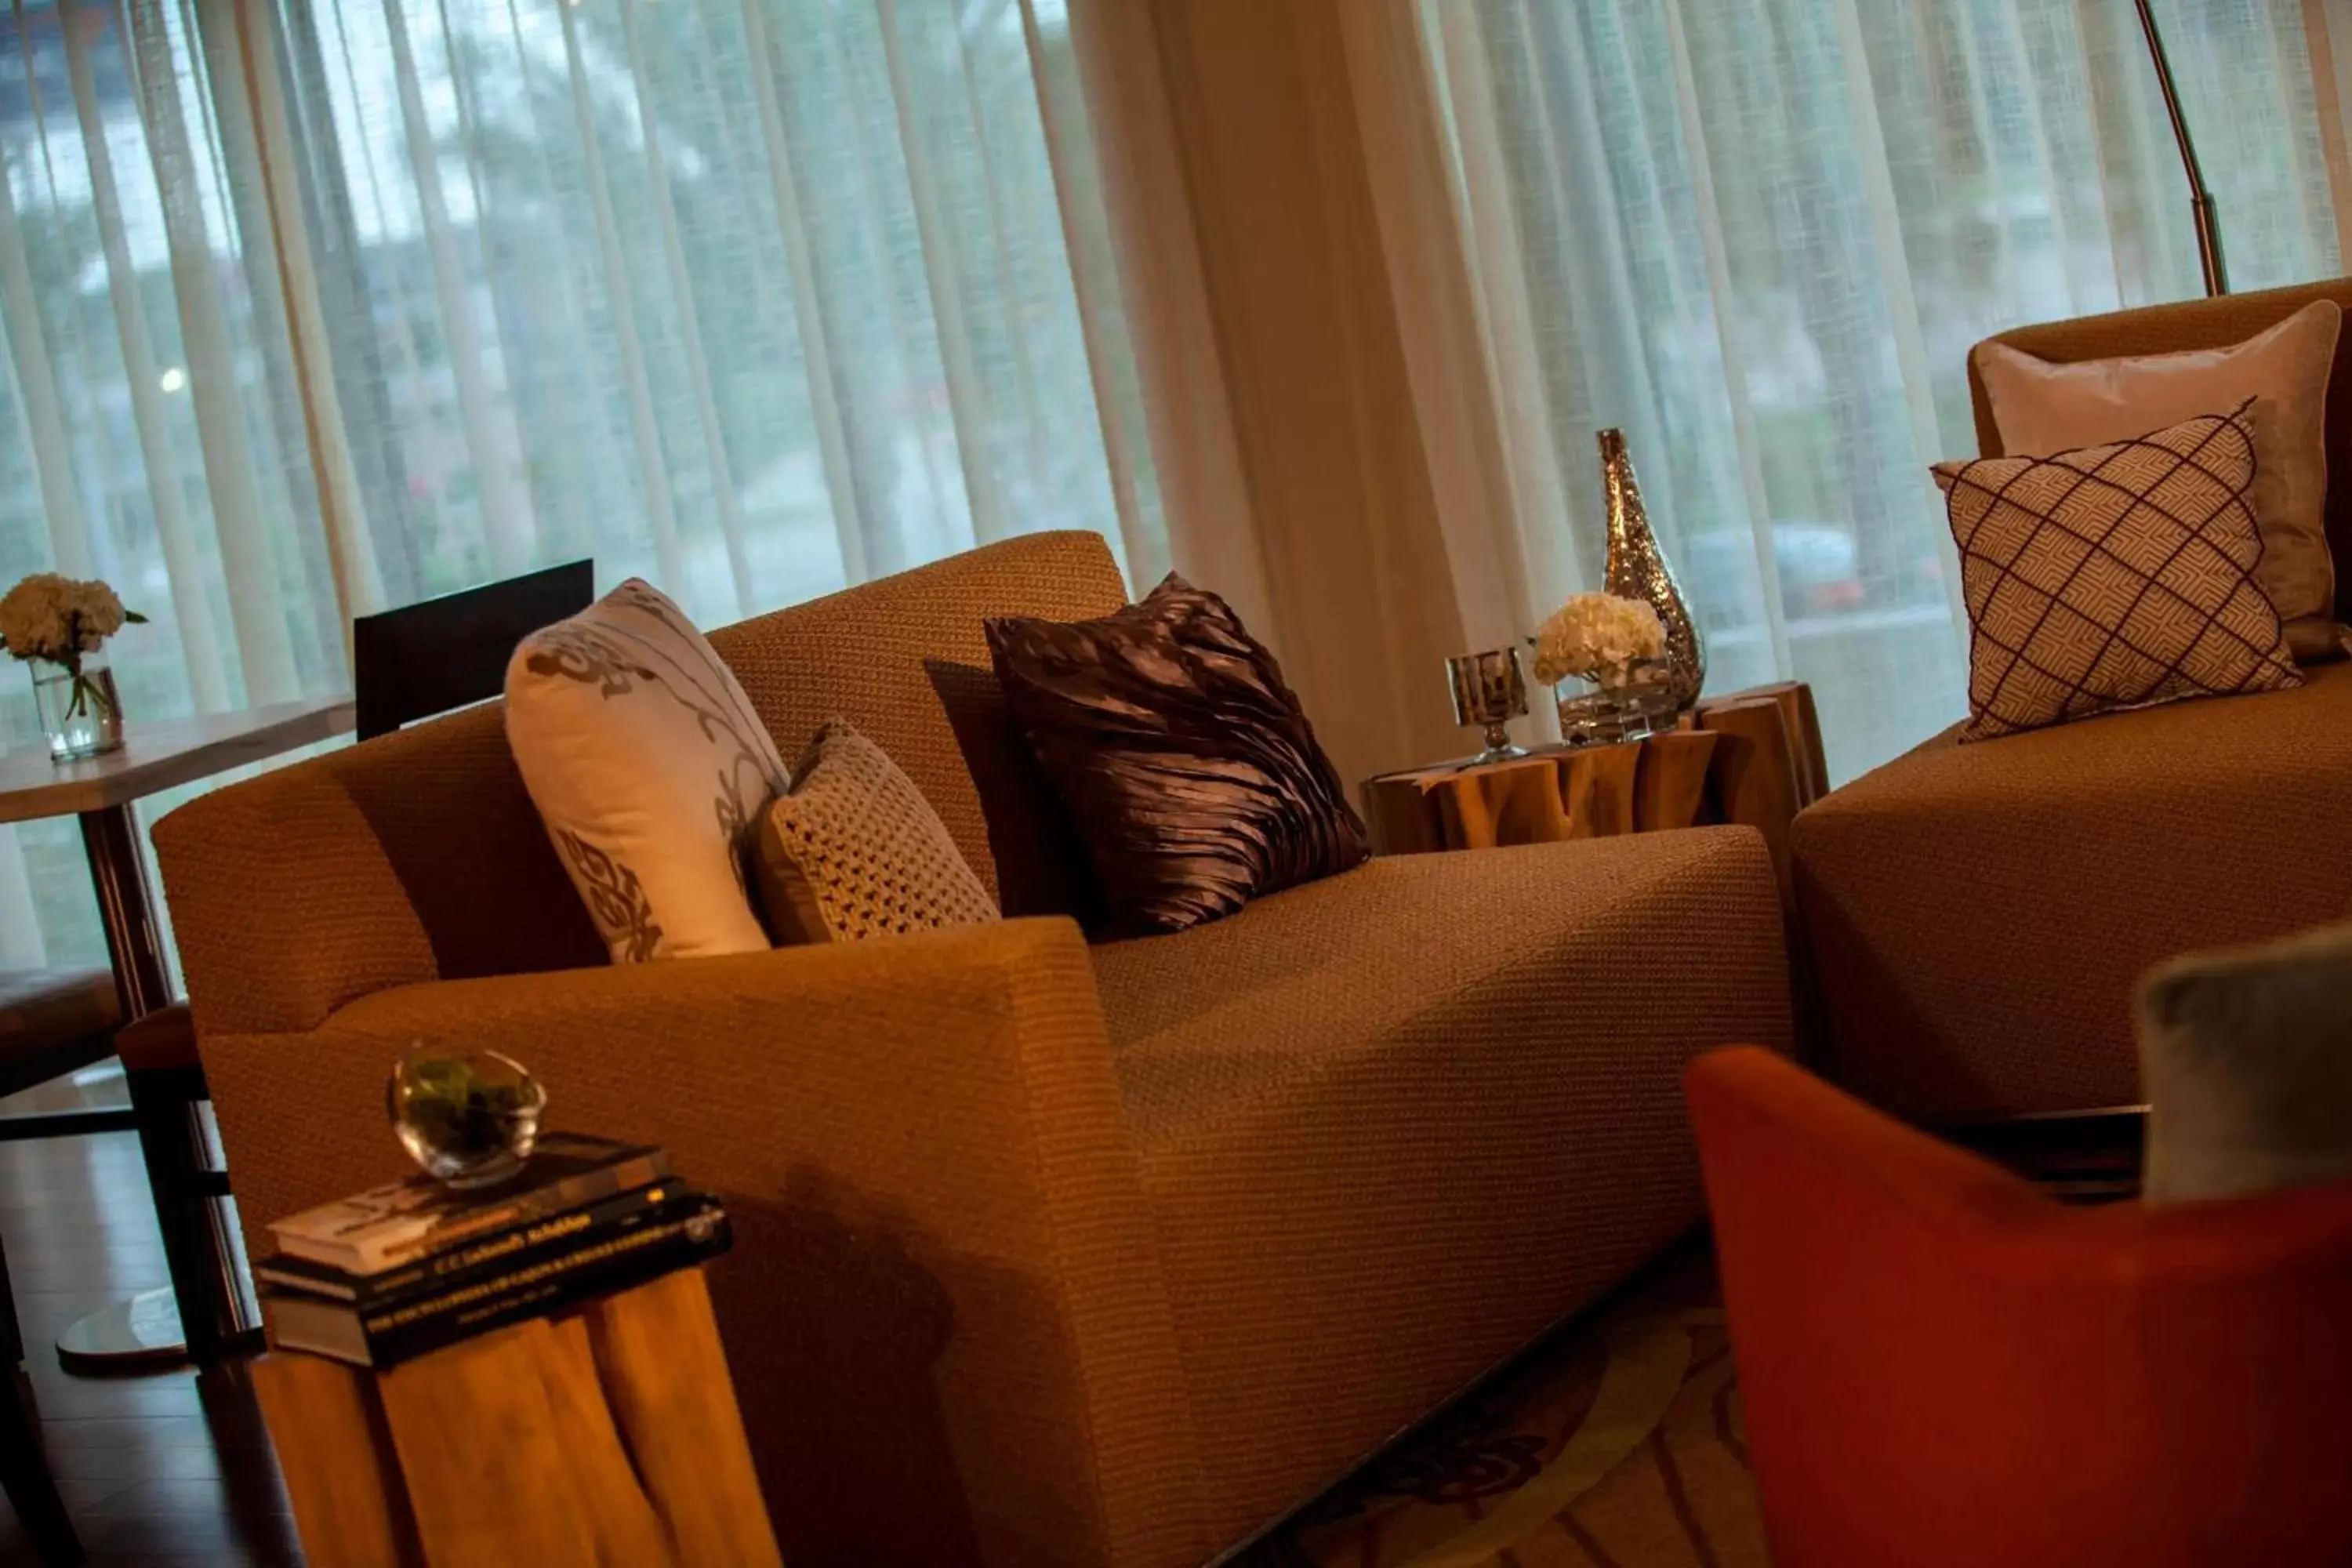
column 1638, row 569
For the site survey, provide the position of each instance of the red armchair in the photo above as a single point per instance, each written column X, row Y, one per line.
column 1942, row 1366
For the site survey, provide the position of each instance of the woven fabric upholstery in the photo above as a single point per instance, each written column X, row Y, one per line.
column 1395, row 1122
column 419, row 856
column 1003, row 1292
column 40, row 1007
column 415, row 856
column 853, row 850
column 2116, row 576
column 2202, row 324
column 943, row 1314
column 1978, row 915
column 906, row 661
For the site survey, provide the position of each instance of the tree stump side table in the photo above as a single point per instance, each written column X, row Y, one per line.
column 1752, row 757
column 607, row 1434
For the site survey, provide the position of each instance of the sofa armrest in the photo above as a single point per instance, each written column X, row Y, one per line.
column 945, row 1313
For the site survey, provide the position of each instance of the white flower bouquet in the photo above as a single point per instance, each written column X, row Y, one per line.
column 61, row 621
column 1599, row 638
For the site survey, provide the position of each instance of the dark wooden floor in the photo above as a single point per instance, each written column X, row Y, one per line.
column 171, row 1469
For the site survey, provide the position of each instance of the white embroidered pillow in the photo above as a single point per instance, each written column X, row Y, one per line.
column 650, row 770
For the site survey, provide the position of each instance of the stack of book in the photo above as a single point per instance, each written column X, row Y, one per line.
column 399, row 1271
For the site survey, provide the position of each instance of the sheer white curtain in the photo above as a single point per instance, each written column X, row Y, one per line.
column 1760, row 235
column 313, row 308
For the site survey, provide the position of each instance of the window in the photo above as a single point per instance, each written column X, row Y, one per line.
column 752, row 298
column 1762, row 235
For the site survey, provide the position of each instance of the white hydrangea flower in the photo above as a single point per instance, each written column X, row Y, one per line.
column 58, row 618
column 1597, row 635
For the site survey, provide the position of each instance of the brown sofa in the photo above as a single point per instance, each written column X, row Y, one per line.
column 1046, row 1254
column 1978, row 914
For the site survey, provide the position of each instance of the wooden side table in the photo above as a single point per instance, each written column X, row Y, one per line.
column 609, row 1435
column 1752, row 757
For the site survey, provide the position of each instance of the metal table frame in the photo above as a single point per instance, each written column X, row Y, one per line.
column 103, row 793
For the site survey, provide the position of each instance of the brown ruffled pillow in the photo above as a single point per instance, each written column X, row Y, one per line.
column 1193, row 776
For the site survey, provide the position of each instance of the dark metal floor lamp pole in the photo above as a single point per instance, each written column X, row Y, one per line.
column 2200, row 197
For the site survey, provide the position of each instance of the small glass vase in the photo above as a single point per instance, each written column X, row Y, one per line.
column 79, row 712
column 1626, row 703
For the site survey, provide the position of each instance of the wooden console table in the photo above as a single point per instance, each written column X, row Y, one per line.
column 1752, row 757
column 606, row 1436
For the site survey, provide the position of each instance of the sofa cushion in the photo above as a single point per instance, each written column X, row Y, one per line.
column 2246, row 1057
column 1978, row 915
column 2180, row 326
column 1394, row 1123
column 904, row 660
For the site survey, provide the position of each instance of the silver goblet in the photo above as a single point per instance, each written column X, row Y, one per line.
column 1489, row 692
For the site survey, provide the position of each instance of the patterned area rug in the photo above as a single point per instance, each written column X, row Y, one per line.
column 1617, row 1443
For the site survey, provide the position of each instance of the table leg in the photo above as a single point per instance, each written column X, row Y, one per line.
column 117, row 870
column 147, row 1330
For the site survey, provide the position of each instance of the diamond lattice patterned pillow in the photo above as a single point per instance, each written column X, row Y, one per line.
column 2114, row 577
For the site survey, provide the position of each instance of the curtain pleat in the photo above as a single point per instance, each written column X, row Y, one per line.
column 855, row 498
column 692, row 365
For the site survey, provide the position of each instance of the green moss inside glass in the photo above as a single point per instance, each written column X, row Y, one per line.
column 469, row 1118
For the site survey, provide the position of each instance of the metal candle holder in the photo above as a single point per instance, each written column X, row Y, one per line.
column 1489, row 692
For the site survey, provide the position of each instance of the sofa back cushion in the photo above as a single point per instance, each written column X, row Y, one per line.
column 905, row 659
column 2202, row 324
column 420, row 856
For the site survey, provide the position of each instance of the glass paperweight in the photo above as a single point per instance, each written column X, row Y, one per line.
column 469, row 1118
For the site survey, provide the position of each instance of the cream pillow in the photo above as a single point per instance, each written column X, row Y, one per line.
column 853, row 850
column 650, row 770
column 2043, row 409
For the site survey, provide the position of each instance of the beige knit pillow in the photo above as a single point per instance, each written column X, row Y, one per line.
column 854, row 851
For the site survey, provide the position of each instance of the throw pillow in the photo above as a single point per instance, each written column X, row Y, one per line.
column 854, row 851
column 2246, row 1061
column 1193, row 776
column 2043, row 409
column 650, row 770
column 2114, row 577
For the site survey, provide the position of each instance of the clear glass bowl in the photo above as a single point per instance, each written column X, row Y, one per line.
column 470, row 1118
column 1627, row 705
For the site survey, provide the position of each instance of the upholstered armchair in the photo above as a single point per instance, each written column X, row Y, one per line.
column 1944, row 1368
column 1978, row 914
